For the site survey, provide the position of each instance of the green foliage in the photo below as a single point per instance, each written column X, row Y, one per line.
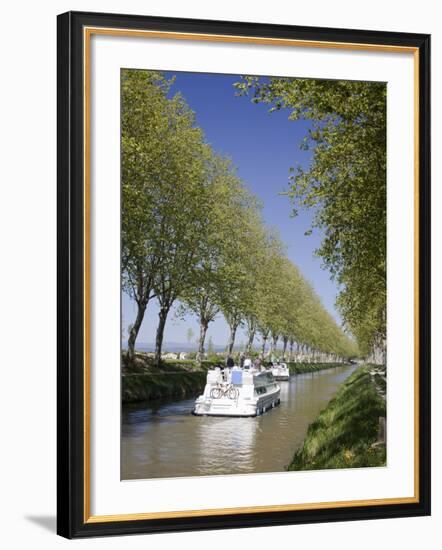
column 287, row 307
column 192, row 233
column 304, row 368
column 220, row 278
column 344, row 434
column 162, row 152
column 345, row 185
column 150, row 386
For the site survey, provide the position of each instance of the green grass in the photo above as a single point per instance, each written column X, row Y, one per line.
column 345, row 431
column 144, row 363
column 301, row 368
column 149, row 386
column 144, row 381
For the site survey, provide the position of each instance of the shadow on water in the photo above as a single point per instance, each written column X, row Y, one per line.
column 162, row 439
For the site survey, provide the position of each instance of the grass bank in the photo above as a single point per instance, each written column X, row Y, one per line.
column 144, row 381
column 346, row 432
column 301, row 368
column 146, row 387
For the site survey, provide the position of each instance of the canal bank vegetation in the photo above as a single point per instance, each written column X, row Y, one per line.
column 349, row 432
column 143, row 380
column 160, row 385
column 194, row 239
column 303, row 368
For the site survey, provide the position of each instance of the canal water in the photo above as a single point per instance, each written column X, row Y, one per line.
column 163, row 439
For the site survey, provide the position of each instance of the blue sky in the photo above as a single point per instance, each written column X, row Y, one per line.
column 262, row 146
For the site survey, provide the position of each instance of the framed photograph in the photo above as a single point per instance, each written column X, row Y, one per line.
column 243, row 274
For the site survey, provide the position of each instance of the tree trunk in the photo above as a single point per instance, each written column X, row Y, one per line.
column 292, row 342
column 233, row 328
column 264, row 342
column 250, row 342
column 133, row 333
column 273, row 346
column 162, row 316
column 203, row 330
column 284, row 347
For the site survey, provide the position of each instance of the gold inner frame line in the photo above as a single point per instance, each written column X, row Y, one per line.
column 87, row 33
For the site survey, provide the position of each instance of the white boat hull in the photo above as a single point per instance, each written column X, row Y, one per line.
column 251, row 398
column 281, row 372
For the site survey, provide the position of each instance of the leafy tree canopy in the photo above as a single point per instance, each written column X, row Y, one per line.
column 345, row 184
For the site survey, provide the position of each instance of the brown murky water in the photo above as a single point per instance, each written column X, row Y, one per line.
column 165, row 440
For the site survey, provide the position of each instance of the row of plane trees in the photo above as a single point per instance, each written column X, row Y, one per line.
column 345, row 187
column 194, row 239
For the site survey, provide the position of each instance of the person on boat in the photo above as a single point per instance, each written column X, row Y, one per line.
column 257, row 363
column 241, row 360
column 230, row 363
column 247, row 363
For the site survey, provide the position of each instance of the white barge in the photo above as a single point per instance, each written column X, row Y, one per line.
column 237, row 392
column 280, row 371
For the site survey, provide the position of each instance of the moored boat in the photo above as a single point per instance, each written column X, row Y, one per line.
column 237, row 392
column 280, row 371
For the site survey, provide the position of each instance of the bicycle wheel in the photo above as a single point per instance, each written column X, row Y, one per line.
column 216, row 393
column 232, row 393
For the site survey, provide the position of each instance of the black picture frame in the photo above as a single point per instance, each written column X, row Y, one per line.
column 72, row 520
